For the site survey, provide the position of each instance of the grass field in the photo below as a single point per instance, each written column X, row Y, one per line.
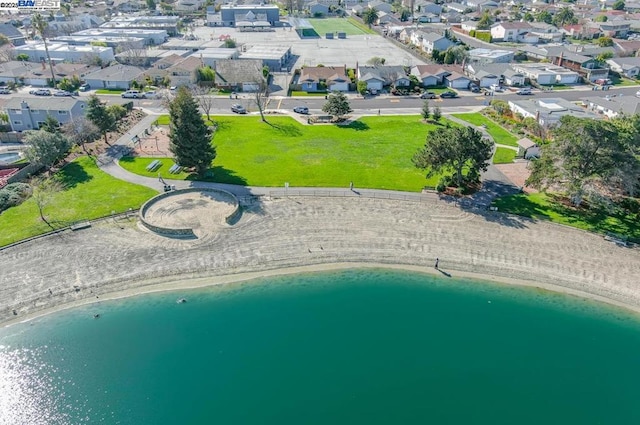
column 504, row 156
column 305, row 94
column 541, row 206
column 499, row 134
column 90, row 193
column 325, row 25
column 109, row 91
column 373, row 152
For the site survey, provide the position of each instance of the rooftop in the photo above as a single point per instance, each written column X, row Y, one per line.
column 44, row 103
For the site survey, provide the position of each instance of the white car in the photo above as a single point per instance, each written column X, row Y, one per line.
column 496, row 88
column 638, row 93
column 132, row 94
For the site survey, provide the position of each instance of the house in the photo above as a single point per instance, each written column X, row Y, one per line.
column 430, row 75
column 528, row 149
column 629, row 67
column 39, row 75
column 581, row 32
column 30, row 113
column 548, row 111
column 427, row 18
column 485, row 75
column 427, row 7
column 381, row 6
column 626, row 47
column 456, row 7
column 324, row 78
column 482, row 4
column 513, row 78
column 378, row 77
column 13, row 34
column 405, row 34
column 615, row 28
column 613, row 106
column 113, row 77
column 185, row 72
column 546, row 33
column 318, row 9
column 430, row 41
column 61, row 52
column 547, row 74
column 456, row 80
column 490, row 56
column 469, row 26
column 209, row 56
column 274, row 56
column 589, row 68
column 14, row 71
column 239, row 74
column 511, row 31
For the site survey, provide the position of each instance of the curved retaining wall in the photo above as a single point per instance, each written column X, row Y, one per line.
column 184, row 232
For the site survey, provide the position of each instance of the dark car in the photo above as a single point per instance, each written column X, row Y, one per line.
column 42, row 92
column 474, row 88
column 448, row 95
column 301, row 110
column 428, row 95
column 238, row 109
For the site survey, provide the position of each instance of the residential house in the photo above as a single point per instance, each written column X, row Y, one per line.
column 485, row 75
column 518, row 32
column 615, row 28
column 528, row 149
column 324, row 78
column 381, row 6
column 588, row 67
column 547, row 74
column 456, row 7
column 239, row 74
column 30, row 113
column 14, row 35
column 581, row 32
column 482, row 4
column 430, row 41
column 457, row 80
column 626, row 47
column 14, row 71
column 613, row 106
column 405, row 34
column 318, row 9
column 548, row 111
column 378, row 77
column 113, row 77
column 185, row 72
column 430, row 75
column 490, row 56
column 469, row 26
column 426, row 7
column 159, row 70
column 513, row 78
column 188, row 5
column 427, row 18
column 628, row 67
column 546, row 33
column 40, row 75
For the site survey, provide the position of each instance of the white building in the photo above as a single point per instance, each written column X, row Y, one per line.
column 151, row 37
column 549, row 111
column 490, row 56
column 547, row 74
column 60, row 52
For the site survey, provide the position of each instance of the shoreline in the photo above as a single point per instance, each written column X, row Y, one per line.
column 169, row 284
column 290, row 235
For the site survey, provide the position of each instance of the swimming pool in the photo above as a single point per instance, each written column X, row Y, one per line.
column 9, row 157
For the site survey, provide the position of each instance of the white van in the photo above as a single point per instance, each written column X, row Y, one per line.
column 132, row 94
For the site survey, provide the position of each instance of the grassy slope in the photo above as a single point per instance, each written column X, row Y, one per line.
column 504, row 156
column 499, row 134
column 90, row 193
column 374, row 152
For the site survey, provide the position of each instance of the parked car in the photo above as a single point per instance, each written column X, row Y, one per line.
column 132, row 94
column 496, row 88
column 84, row 87
column 474, row 88
column 301, row 110
column 524, row 91
column 152, row 94
column 638, row 93
column 62, row 93
column 448, row 95
column 42, row 92
column 428, row 95
column 603, row 82
column 5, row 90
column 238, row 109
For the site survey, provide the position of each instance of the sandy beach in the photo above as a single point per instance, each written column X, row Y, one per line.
column 116, row 258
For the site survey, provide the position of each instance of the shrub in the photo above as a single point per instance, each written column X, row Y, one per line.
column 14, row 194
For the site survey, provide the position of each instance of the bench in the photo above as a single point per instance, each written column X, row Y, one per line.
column 155, row 164
column 175, row 169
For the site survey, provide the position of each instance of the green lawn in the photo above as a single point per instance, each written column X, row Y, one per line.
column 622, row 82
column 438, row 90
column 499, row 134
column 90, row 193
column 555, row 87
column 331, row 25
column 110, row 91
column 304, row 93
column 504, row 156
column 373, row 152
column 541, row 206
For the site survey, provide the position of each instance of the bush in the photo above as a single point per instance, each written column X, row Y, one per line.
column 14, row 194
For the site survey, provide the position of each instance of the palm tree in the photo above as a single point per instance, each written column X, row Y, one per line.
column 41, row 24
column 370, row 16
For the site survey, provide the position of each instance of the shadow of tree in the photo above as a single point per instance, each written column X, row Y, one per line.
column 219, row 174
column 356, row 125
column 72, row 174
column 290, row 130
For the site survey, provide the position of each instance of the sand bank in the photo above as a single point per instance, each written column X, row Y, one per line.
column 117, row 259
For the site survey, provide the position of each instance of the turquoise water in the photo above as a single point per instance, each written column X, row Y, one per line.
column 353, row 347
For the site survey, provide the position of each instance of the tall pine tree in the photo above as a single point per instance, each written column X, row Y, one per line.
column 190, row 138
column 100, row 116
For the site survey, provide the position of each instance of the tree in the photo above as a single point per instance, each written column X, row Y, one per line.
column 564, row 16
column 453, row 149
column 485, row 21
column 605, row 42
column 41, row 24
column 45, row 149
column 81, row 131
column 99, row 115
column 261, row 97
column 4, row 40
column 23, row 57
column 361, row 87
column 618, row 5
column 376, row 61
column 601, row 18
column 528, row 17
column 602, row 57
column 544, row 16
column 437, row 114
column 456, row 54
column 370, row 16
column 206, row 102
column 437, row 56
column 151, row 4
column 588, row 159
column 190, row 138
column 43, row 192
column 337, row 105
column 229, row 43
column 50, row 125
column 426, row 111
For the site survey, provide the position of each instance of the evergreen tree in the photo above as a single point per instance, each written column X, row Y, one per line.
column 437, row 114
column 426, row 111
column 45, row 149
column 370, row 16
column 337, row 105
column 100, row 116
column 190, row 139
column 50, row 125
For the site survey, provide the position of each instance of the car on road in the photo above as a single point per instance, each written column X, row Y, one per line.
column 474, row 89
column 42, row 92
column 638, row 93
column 62, row 93
column 301, row 110
column 132, row 94
column 84, row 87
column 238, row 109
column 428, row 95
column 5, row 90
column 496, row 88
column 524, row 91
column 152, row 94
column 448, row 95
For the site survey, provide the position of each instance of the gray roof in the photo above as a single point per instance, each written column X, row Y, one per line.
column 620, row 104
column 116, row 73
column 44, row 103
column 388, row 74
column 10, row 31
column 238, row 71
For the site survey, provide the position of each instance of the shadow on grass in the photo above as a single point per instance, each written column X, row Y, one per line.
column 357, row 126
column 219, row 174
column 291, row 130
column 72, row 174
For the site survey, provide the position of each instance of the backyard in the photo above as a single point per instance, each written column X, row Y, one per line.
column 504, row 156
column 332, row 25
column 89, row 193
column 499, row 134
column 373, row 152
